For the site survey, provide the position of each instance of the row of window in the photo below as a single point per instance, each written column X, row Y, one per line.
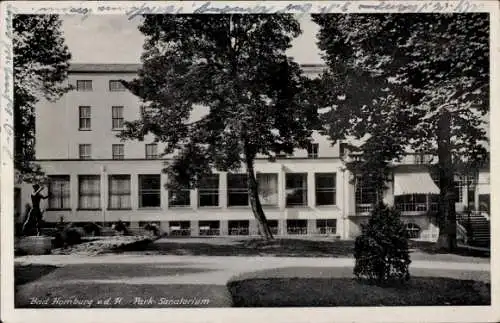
column 86, row 86
column 242, row 227
column 85, row 118
column 89, row 191
column 117, row 151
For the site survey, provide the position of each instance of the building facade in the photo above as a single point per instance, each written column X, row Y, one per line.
column 95, row 177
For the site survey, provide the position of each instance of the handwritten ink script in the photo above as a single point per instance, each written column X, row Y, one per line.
column 221, row 7
column 7, row 103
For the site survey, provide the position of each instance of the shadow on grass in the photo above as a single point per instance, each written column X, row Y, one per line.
column 105, row 271
column 24, row 274
column 94, row 295
column 419, row 291
column 254, row 247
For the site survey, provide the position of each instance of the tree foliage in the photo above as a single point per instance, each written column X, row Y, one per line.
column 41, row 61
column 415, row 82
column 236, row 67
column 381, row 251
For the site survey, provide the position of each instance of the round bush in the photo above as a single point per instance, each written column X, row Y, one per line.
column 381, row 251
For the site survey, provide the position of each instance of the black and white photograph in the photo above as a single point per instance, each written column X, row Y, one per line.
column 248, row 155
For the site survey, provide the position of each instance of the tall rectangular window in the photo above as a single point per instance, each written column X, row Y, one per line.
column 366, row 196
column 325, row 188
column 116, row 85
column 89, row 192
column 84, row 85
column 151, row 151
column 208, row 191
column 85, row 151
column 268, row 188
column 84, row 122
column 237, row 190
column 149, row 191
column 119, row 192
column 296, row 189
column 117, row 117
column 59, row 192
column 118, row 151
column 312, row 151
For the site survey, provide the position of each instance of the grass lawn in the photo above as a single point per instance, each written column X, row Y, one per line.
column 424, row 291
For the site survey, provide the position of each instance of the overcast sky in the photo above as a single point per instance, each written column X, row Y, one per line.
column 114, row 39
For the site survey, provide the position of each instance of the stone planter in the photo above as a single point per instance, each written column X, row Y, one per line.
column 35, row 245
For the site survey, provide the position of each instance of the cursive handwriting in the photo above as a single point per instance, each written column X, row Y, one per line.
column 7, row 129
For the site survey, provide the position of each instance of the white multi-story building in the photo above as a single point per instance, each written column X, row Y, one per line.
column 95, row 177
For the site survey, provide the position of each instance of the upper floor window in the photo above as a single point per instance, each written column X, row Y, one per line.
column 366, row 196
column 312, row 151
column 84, row 85
column 151, row 151
column 118, row 151
column 116, row 86
column 84, row 118
column 268, row 188
column 85, row 151
column 117, row 117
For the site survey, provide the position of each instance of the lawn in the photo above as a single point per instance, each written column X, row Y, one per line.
column 419, row 291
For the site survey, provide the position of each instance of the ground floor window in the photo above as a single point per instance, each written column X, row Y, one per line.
column 119, row 192
column 296, row 189
column 208, row 191
column 209, row 228
column 238, row 228
column 325, row 188
column 296, row 226
column 179, row 198
column 268, row 188
column 149, row 191
column 326, row 226
column 237, row 190
column 89, row 192
column 180, row 228
column 59, row 192
column 413, row 230
column 411, row 202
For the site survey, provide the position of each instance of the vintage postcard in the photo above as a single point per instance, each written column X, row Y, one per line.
column 230, row 161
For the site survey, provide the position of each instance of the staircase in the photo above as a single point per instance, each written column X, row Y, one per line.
column 478, row 227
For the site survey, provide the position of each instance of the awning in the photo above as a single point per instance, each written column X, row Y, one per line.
column 414, row 183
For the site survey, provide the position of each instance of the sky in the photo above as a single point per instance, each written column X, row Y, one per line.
column 115, row 39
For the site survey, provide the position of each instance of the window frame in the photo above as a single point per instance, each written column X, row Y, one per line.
column 82, row 118
column 149, row 191
column 209, row 191
column 84, row 88
column 149, row 156
column 92, row 194
column 52, row 195
column 120, row 119
column 183, row 191
column 232, row 191
column 304, row 189
column 120, row 194
column 87, row 156
column 120, row 88
column 325, row 189
column 118, row 156
column 312, row 150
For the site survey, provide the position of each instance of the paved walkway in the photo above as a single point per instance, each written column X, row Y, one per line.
column 217, row 270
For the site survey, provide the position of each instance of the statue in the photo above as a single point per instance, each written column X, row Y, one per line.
column 34, row 218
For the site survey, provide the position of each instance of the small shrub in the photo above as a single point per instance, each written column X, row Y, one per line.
column 381, row 251
column 73, row 235
column 92, row 229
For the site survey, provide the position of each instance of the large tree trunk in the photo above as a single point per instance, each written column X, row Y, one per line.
column 447, row 215
column 253, row 194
